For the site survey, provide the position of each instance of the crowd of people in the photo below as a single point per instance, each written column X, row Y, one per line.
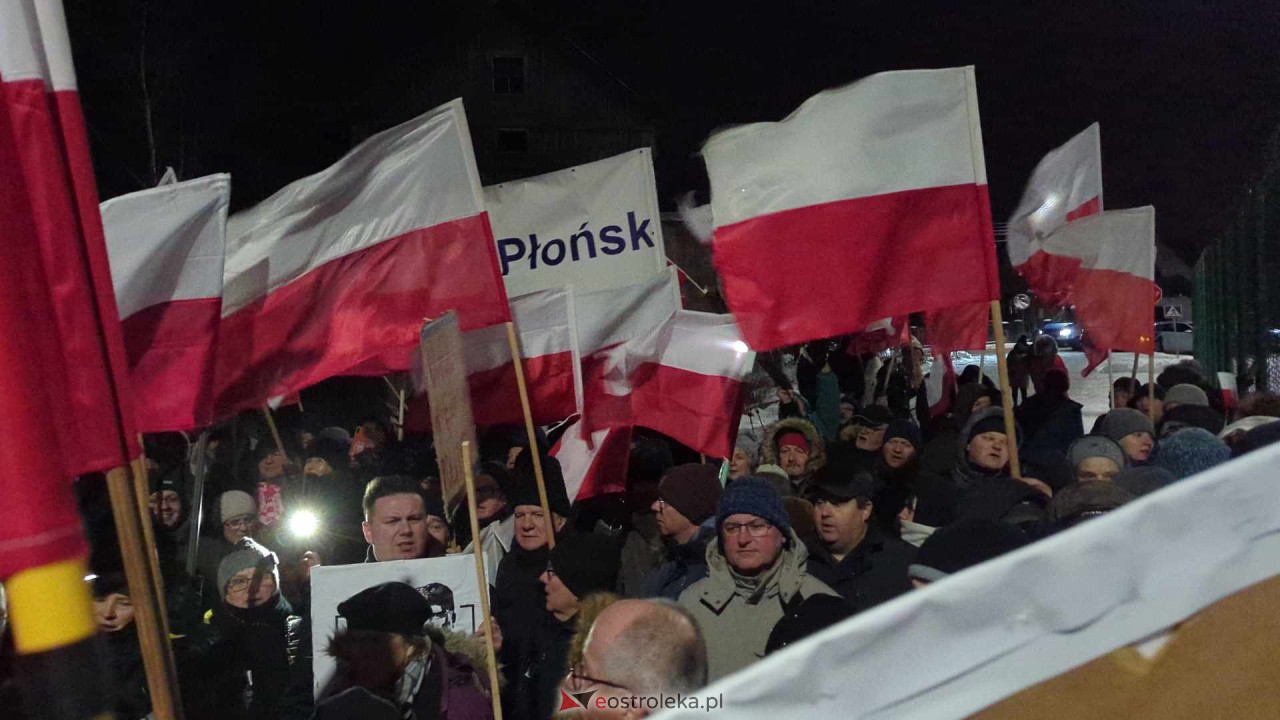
column 852, row 498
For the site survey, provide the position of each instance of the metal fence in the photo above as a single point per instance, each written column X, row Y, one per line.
column 1237, row 289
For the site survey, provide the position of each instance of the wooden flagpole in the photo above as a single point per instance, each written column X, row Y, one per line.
column 400, row 416
column 536, row 456
column 1111, row 382
column 1151, row 386
column 1134, row 374
column 275, row 432
column 133, row 530
column 481, row 578
column 1006, row 391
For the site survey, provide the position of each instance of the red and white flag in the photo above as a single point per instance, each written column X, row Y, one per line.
column 691, row 391
column 166, row 248
column 683, row 380
column 338, row 270
column 596, row 466
column 1114, row 291
column 1065, row 186
column 879, row 336
column 617, row 331
column 548, row 344
column 940, row 384
column 869, row 201
column 64, row 390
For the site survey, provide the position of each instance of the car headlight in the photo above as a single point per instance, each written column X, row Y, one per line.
column 1064, row 332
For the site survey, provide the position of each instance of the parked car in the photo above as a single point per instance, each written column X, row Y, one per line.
column 1065, row 332
column 1175, row 337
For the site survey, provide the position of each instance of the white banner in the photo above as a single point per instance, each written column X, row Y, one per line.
column 449, row 583
column 594, row 226
column 961, row 644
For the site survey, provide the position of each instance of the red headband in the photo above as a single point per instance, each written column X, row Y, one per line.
column 794, row 438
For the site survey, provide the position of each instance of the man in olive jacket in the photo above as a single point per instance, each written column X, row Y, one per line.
column 756, row 573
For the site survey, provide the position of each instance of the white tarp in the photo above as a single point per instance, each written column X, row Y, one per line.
column 594, row 226
column 964, row 643
column 332, row 585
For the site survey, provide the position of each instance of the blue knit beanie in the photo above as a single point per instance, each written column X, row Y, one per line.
column 757, row 496
column 1190, row 451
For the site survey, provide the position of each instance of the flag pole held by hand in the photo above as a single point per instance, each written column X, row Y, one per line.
column 481, row 578
column 535, row 455
column 1006, row 392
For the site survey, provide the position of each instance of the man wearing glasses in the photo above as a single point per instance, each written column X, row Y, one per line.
column 756, row 573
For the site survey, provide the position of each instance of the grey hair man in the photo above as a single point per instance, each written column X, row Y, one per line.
column 637, row 653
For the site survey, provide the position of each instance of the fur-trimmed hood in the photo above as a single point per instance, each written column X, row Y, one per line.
column 818, row 455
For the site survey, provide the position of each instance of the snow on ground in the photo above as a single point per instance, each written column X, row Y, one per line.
column 1094, row 392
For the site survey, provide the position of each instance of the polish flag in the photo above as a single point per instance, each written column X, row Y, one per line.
column 1065, row 186
column 547, row 335
column 338, row 270
column 963, row 327
column 618, row 330
column 64, row 386
column 1114, row 290
column 692, row 390
column 166, row 248
column 940, row 385
column 594, row 466
column 869, row 201
column 683, row 380
column 879, row 336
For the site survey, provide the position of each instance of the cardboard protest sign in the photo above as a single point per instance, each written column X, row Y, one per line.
column 449, row 583
column 595, row 226
column 442, row 372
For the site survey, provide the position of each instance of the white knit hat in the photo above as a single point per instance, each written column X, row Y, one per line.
column 235, row 503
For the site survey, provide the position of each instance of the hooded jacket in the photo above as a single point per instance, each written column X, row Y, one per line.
column 817, row 454
column 736, row 614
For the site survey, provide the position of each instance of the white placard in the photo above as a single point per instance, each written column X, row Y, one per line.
column 330, row 586
column 594, row 226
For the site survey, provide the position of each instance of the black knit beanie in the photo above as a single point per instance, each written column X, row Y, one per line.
column 585, row 563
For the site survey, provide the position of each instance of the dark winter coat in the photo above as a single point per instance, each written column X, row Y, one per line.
column 876, row 570
column 519, row 606
column 261, row 643
column 1050, row 423
column 548, row 666
column 130, row 698
column 686, row 564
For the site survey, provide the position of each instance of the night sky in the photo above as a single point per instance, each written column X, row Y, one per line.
column 1187, row 92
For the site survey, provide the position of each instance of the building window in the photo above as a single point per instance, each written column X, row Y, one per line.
column 513, row 141
column 508, row 75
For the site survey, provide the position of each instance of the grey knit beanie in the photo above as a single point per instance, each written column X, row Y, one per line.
column 1126, row 421
column 1091, row 446
column 1186, row 394
column 245, row 554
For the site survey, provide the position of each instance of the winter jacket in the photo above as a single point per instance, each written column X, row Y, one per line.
column 546, row 668
column 130, row 698
column 817, row 454
column 686, row 564
column 876, row 570
column 736, row 613
column 248, row 664
column 1050, row 423
column 519, row 606
column 642, row 553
